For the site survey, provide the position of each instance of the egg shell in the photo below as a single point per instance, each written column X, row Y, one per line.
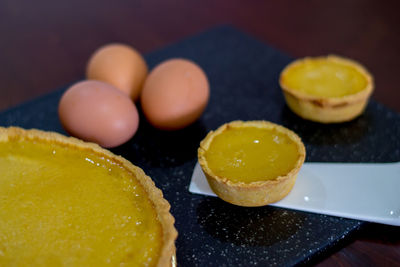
column 175, row 94
column 98, row 112
column 119, row 65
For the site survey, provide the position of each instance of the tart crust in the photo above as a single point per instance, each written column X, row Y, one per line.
column 327, row 109
column 168, row 251
column 257, row 193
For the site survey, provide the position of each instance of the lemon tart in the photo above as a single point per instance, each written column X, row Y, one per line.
column 252, row 163
column 71, row 203
column 329, row 89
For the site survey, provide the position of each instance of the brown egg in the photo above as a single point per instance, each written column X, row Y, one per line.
column 98, row 112
column 175, row 94
column 119, row 65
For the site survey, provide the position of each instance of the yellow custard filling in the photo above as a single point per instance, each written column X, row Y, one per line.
column 323, row 77
column 250, row 154
column 70, row 207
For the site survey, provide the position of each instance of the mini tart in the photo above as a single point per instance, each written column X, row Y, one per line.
column 328, row 89
column 251, row 163
column 68, row 202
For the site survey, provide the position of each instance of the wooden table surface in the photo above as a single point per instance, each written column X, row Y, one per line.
column 45, row 45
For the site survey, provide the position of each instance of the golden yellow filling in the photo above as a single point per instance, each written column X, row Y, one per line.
column 325, row 78
column 250, row 154
column 61, row 206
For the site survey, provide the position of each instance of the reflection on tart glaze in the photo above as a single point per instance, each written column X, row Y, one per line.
column 61, row 206
column 323, row 78
column 251, row 154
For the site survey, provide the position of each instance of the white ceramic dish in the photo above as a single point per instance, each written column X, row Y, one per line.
column 368, row 192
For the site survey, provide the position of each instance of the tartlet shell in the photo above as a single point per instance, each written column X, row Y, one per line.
column 161, row 205
column 327, row 109
column 252, row 194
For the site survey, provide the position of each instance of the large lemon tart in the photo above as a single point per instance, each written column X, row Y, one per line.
column 328, row 89
column 251, row 163
column 64, row 202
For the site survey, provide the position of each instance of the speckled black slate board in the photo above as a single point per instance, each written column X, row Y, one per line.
column 243, row 74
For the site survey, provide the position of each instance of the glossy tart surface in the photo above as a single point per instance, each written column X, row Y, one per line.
column 66, row 202
column 251, row 163
column 326, row 89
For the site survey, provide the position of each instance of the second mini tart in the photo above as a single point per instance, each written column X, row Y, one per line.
column 251, row 163
column 327, row 89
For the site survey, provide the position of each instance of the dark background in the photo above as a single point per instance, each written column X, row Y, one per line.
column 44, row 45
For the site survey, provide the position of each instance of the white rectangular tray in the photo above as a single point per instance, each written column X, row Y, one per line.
column 362, row 191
